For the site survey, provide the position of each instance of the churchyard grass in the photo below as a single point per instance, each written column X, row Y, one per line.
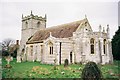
column 38, row 70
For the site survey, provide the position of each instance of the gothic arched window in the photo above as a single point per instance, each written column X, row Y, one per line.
column 104, row 46
column 38, row 24
column 50, row 47
column 92, row 45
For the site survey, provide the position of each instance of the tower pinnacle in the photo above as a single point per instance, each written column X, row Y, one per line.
column 45, row 16
column 100, row 28
column 108, row 31
column 22, row 16
column 85, row 16
column 103, row 29
column 31, row 13
column 107, row 28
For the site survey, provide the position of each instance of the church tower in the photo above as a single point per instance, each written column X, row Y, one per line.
column 30, row 24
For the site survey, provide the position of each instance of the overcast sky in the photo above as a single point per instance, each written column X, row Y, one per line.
column 58, row 12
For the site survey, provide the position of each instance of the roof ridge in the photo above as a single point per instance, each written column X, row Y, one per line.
column 62, row 25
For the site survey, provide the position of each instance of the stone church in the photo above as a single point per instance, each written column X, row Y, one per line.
column 74, row 41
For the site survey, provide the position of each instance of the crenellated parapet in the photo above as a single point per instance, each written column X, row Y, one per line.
column 36, row 17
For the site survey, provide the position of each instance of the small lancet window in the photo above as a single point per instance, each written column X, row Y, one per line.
column 26, row 24
column 92, row 45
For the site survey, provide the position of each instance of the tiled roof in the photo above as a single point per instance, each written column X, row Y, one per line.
column 60, row 31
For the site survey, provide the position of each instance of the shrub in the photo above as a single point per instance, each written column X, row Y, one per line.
column 91, row 72
column 66, row 63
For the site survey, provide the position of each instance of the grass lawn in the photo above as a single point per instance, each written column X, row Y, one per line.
column 37, row 70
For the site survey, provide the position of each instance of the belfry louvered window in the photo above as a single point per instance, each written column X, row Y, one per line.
column 38, row 24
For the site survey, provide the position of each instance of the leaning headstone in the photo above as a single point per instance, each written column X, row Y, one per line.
column 8, row 59
column 66, row 63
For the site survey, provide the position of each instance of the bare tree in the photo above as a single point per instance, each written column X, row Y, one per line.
column 6, row 45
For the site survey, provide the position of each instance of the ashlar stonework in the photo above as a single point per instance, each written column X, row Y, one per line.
column 74, row 41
